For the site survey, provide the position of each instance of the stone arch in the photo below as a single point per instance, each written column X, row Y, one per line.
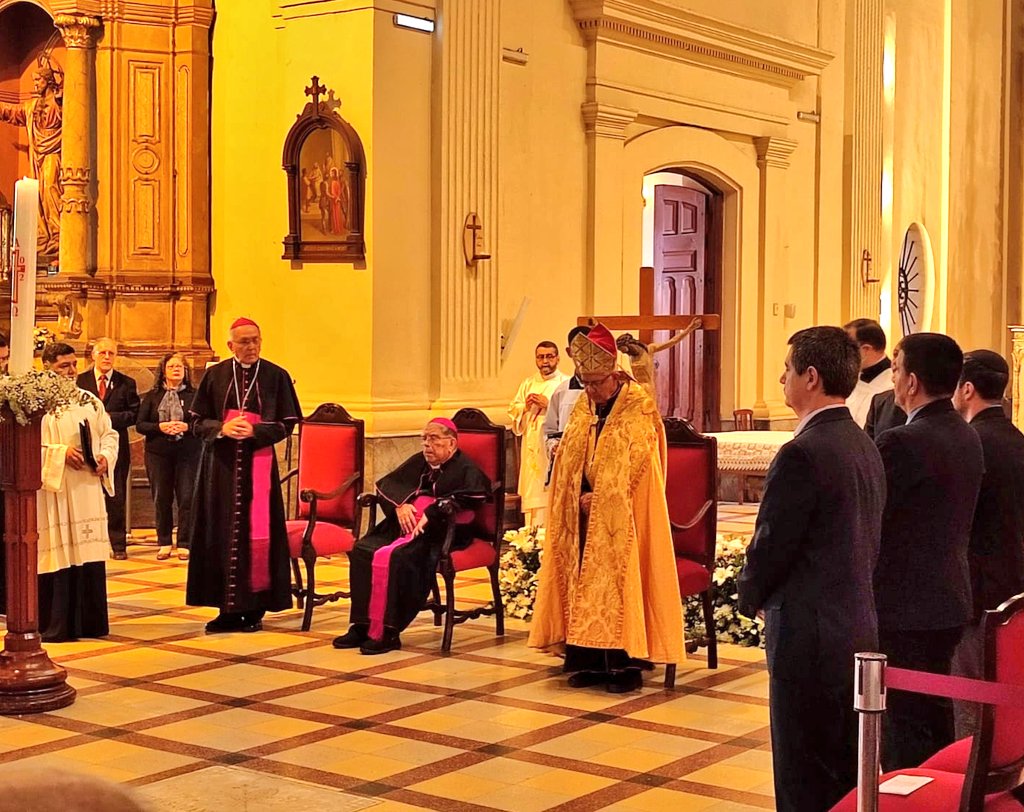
column 25, row 27
column 731, row 170
column 43, row 4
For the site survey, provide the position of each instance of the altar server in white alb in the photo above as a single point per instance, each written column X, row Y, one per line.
column 875, row 367
column 71, row 512
column 528, row 410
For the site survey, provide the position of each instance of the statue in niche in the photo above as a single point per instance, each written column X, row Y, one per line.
column 641, row 356
column 42, row 116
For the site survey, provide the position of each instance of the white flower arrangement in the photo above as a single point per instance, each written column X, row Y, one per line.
column 520, row 563
column 517, row 575
column 36, row 392
column 730, row 625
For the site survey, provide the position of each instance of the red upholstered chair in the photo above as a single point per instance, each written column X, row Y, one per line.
column 484, row 443
column 984, row 773
column 330, row 478
column 691, row 488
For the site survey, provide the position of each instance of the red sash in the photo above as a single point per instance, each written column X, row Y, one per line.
column 259, row 510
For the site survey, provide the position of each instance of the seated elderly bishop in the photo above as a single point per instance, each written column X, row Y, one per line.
column 608, row 597
column 71, row 512
column 392, row 568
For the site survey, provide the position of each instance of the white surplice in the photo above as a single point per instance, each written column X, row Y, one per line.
column 70, row 510
column 859, row 401
column 528, row 423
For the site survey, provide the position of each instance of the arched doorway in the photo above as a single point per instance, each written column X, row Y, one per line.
column 682, row 242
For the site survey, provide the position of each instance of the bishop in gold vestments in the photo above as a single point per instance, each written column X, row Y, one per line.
column 608, row 594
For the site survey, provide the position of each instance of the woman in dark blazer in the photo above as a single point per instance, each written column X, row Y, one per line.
column 172, row 451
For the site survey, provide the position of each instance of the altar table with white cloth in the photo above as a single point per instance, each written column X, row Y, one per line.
column 748, row 453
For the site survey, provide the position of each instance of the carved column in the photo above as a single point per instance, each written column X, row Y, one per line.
column 77, row 243
column 605, row 126
column 866, row 40
column 1017, row 374
column 469, row 60
column 773, row 161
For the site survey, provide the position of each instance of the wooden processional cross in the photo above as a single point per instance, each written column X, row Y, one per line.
column 641, row 351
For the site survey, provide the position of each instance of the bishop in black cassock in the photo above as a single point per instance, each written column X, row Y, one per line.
column 392, row 568
column 239, row 560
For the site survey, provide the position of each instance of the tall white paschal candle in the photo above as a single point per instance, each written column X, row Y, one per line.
column 23, row 275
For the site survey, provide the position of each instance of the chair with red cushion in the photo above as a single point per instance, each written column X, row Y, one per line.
column 484, row 443
column 330, row 478
column 983, row 773
column 691, row 488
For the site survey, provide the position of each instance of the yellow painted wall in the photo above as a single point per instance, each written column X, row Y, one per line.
column 976, row 217
column 542, row 152
column 317, row 318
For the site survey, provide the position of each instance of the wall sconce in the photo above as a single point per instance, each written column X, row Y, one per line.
column 473, row 240
column 865, row 268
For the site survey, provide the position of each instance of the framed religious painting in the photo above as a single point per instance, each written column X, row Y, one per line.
column 323, row 158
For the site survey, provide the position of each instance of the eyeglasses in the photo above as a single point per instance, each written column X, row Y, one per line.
column 247, row 342
column 433, row 439
column 596, row 384
column 547, row 356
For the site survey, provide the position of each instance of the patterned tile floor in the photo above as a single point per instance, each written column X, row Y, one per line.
column 492, row 727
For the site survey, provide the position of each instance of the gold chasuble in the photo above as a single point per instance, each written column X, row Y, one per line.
column 624, row 594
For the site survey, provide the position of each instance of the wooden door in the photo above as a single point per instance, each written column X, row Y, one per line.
column 681, row 288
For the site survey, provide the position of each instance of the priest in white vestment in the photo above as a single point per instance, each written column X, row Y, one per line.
column 71, row 513
column 875, row 367
column 528, row 410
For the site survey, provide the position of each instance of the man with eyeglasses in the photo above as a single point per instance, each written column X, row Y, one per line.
column 392, row 567
column 608, row 595
column 528, row 409
column 239, row 546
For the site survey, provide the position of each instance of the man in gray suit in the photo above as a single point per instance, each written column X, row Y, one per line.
column 809, row 569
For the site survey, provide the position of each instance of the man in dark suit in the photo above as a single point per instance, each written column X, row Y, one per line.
column 884, row 414
column 121, row 399
column 995, row 556
column 933, row 469
column 809, row 569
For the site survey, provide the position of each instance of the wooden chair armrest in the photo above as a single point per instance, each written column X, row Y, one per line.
column 693, row 522
column 309, row 495
column 365, row 500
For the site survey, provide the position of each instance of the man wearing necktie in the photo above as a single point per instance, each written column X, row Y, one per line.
column 121, row 399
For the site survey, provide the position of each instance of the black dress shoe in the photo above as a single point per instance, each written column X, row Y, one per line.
column 250, row 626
column 643, row 665
column 629, row 679
column 356, row 635
column 119, row 555
column 225, row 623
column 588, row 679
column 390, row 642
